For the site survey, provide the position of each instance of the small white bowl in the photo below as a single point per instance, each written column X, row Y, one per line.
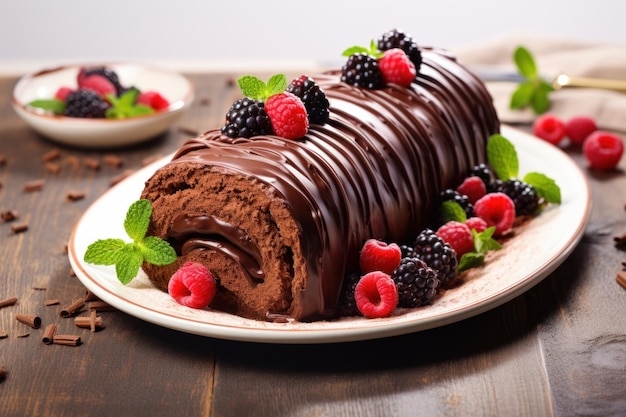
column 102, row 133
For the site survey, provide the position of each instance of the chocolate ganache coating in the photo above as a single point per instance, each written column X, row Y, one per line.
column 374, row 170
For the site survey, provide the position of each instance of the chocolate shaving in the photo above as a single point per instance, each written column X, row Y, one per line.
column 52, row 302
column 3, row 334
column 75, row 196
column 35, row 185
column 19, row 227
column 113, row 160
column 52, row 167
column 89, row 296
column 101, row 306
column 49, row 333
column 3, row 373
column 73, row 308
column 92, row 163
column 621, row 279
column 9, row 215
column 23, row 335
column 51, row 155
column 66, row 339
column 620, row 241
column 93, row 322
column 29, row 319
column 118, row 178
column 8, row 302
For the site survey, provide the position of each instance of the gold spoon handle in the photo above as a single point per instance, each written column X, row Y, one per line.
column 563, row 80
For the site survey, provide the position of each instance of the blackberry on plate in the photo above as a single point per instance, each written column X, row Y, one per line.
column 86, row 104
column 453, row 195
column 110, row 75
column 312, row 96
column 347, row 303
column 437, row 254
column 361, row 70
column 397, row 39
column 417, row 283
column 483, row 172
column 247, row 118
column 406, row 250
column 523, row 195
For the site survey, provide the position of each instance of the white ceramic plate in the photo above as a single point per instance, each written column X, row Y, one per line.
column 102, row 133
column 540, row 246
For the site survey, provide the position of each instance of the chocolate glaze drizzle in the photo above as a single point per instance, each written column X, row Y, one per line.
column 373, row 171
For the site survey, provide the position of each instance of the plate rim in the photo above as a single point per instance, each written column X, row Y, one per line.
column 375, row 328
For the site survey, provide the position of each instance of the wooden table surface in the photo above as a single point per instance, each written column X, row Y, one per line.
column 557, row 350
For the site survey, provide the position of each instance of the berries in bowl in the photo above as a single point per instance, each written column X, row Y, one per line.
column 102, row 106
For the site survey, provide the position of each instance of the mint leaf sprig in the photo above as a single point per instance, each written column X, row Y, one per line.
column 129, row 256
column 52, row 105
column 256, row 89
column 534, row 90
column 502, row 157
column 372, row 50
column 126, row 105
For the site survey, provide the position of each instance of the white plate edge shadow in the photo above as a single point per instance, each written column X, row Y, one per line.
column 548, row 251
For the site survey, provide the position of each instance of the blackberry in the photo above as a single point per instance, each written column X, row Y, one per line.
column 523, row 195
column 247, row 118
column 110, row 75
column 437, row 254
column 483, row 172
column 453, row 195
column 406, row 250
column 361, row 70
column 85, row 103
column 417, row 283
column 398, row 39
column 347, row 303
column 313, row 98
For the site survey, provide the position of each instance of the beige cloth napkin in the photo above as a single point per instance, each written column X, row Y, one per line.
column 553, row 54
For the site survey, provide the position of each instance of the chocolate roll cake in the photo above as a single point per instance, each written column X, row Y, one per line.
column 280, row 222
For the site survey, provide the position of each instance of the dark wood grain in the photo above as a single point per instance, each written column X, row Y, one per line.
column 557, row 350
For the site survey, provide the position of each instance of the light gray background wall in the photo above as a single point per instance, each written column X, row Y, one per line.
column 189, row 33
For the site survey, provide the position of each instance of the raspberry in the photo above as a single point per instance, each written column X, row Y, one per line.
column 437, row 254
column 473, row 187
column 85, row 103
column 153, row 99
column 603, row 150
column 477, row 224
column 107, row 73
column 578, row 128
column 549, row 128
column 376, row 295
column 398, row 39
column 313, row 98
column 396, row 67
column 379, row 256
column 361, row 70
column 417, row 283
column 247, row 118
column 287, row 115
column 62, row 93
column 458, row 235
column 99, row 84
column 497, row 209
column 192, row 285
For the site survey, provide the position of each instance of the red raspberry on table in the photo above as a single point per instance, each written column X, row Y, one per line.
column 473, row 187
column 477, row 224
column 578, row 128
column 396, row 67
column 603, row 150
column 97, row 83
column 153, row 99
column 497, row 209
column 549, row 128
column 376, row 295
column 458, row 235
column 377, row 255
column 288, row 115
column 192, row 285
